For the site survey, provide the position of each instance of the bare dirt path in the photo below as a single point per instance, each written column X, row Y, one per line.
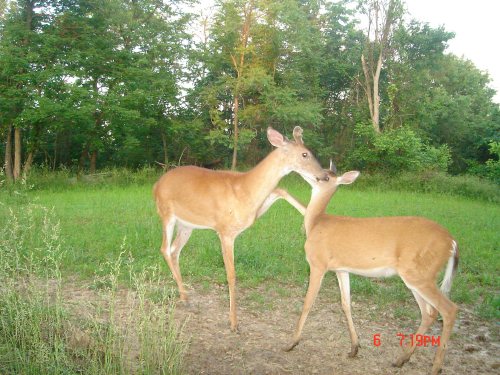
column 268, row 325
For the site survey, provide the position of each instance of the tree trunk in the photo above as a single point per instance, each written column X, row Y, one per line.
column 383, row 21
column 239, row 66
column 165, row 151
column 376, row 96
column 17, row 154
column 367, row 86
column 93, row 161
column 8, row 155
column 81, row 163
column 55, row 152
column 28, row 164
column 235, row 134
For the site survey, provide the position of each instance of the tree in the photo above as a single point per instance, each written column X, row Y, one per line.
column 382, row 17
column 25, row 54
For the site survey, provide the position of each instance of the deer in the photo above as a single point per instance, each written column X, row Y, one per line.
column 414, row 248
column 228, row 202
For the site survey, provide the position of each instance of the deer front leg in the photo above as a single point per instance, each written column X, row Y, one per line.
column 315, row 278
column 227, row 243
column 280, row 194
column 345, row 294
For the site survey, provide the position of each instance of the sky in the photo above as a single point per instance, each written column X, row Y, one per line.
column 475, row 24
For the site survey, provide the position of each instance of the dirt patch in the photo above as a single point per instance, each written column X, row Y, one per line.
column 266, row 327
column 267, row 319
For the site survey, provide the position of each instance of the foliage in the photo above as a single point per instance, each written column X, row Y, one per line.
column 107, row 83
column 394, row 151
column 491, row 169
column 469, row 187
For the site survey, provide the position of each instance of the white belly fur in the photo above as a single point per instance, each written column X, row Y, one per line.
column 370, row 272
column 187, row 224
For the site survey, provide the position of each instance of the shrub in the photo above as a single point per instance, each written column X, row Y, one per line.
column 433, row 182
column 491, row 169
column 394, row 151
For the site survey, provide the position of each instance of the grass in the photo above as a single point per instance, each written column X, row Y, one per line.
column 44, row 331
column 94, row 220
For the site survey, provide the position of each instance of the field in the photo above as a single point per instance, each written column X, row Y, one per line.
column 105, row 247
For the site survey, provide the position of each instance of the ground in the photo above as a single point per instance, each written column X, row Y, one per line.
column 267, row 319
column 266, row 327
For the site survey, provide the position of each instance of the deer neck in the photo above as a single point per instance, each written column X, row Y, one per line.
column 316, row 208
column 261, row 180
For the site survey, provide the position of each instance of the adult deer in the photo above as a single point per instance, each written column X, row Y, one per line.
column 227, row 202
column 414, row 248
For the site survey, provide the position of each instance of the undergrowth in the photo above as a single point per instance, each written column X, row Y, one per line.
column 45, row 330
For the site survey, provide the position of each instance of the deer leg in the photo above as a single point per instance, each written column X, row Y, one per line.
column 428, row 315
column 166, row 251
column 290, row 199
column 227, row 243
column 345, row 294
column 448, row 310
column 183, row 234
column 280, row 194
column 315, row 278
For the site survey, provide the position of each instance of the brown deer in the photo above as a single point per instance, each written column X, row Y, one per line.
column 227, row 202
column 414, row 248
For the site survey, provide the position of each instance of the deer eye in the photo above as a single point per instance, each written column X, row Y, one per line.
column 304, row 155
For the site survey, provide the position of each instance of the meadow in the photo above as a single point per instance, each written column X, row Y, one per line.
column 107, row 236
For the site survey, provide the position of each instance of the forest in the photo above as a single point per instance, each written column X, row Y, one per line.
column 99, row 97
column 91, row 84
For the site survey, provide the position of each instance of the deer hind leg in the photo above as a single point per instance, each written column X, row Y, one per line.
column 183, row 234
column 448, row 310
column 227, row 243
column 345, row 293
column 428, row 315
column 166, row 251
column 315, row 279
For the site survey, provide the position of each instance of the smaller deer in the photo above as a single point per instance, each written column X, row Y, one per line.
column 414, row 248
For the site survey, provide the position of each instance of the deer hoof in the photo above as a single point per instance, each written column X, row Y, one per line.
column 353, row 352
column 400, row 362
column 290, row 347
column 235, row 328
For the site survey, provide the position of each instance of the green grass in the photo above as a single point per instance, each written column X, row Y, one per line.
column 42, row 331
column 95, row 219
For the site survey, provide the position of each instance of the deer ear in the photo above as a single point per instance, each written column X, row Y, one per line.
column 347, row 178
column 297, row 135
column 333, row 167
column 275, row 138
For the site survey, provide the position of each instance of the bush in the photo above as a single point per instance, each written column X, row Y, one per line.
column 41, row 178
column 394, row 151
column 433, row 182
column 491, row 169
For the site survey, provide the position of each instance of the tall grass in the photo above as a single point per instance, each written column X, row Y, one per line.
column 44, row 330
column 466, row 186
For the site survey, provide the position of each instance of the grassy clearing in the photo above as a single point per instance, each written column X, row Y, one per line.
column 95, row 220
column 46, row 330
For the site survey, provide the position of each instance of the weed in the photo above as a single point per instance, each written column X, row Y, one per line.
column 40, row 335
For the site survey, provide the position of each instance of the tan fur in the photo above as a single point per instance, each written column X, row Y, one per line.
column 414, row 248
column 227, row 202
